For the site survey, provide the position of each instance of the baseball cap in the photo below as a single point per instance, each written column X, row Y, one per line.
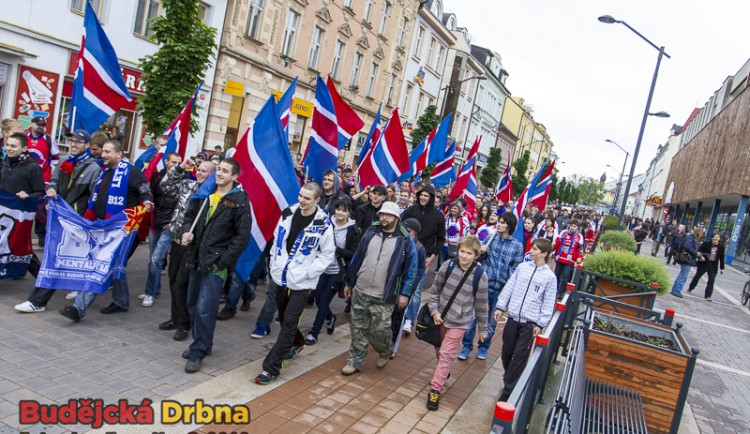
column 379, row 189
column 390, row 208
column 39, row 120
column 202, row 155
column 412, row 224
column 80, row 135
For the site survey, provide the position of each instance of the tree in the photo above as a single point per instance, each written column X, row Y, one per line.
column 553, row 188
column 172, row 74
column 520, row 180
column 560, row 190
column 590, row 191
column 425, row 124
column 491, row 172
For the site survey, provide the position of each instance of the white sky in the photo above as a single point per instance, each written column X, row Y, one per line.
column 588, row 81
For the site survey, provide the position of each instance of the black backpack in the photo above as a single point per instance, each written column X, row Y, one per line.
column 478, row 270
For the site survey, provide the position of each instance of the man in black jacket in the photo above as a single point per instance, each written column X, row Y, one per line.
column 160, row 237
column 432, row 221
column 365, row 214
column 220, row 235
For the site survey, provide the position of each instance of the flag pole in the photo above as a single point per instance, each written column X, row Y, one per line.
column 200, row 211
column 73, row 121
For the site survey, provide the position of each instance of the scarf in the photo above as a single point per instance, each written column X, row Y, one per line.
column 118, row 191
column 71, row 161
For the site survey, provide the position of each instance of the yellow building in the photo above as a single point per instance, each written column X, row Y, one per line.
column 518, row 117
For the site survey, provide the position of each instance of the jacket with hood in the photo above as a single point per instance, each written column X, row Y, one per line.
column 178, row 184
column 219, row 240
column 346, row 238
column 326, row 202
column 76, row 188
column 164, row 202
column 312, row 252
column 432, row 235
column 22, row 174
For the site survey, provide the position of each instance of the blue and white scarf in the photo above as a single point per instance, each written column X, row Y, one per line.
column 118, row 191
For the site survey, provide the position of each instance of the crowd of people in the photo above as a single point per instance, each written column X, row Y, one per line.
column 376, row 247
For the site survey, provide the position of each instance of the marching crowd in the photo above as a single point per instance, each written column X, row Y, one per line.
column 376, row 247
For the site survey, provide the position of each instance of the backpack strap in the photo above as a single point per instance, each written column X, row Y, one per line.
column 477, row 277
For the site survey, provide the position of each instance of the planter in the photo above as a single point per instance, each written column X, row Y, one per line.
column 661, row 376
column 601, row 286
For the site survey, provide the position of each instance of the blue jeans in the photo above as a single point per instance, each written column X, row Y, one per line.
column 416, row 298
column 679, row 282
column 204, row 289
column 158, row 245
column 269, row 307
column 323, row 295
column 563, row 273
column 468, row 340
column 120, row 297
column 237, row 288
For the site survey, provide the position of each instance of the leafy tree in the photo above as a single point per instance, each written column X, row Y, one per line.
column 491, row 172
column 561, row 190
column 425, row 124
column 590, row 190
column 553, row 188
column 171, row 74
column 520, row 180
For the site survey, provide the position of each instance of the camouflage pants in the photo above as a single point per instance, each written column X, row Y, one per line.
column 371, row 324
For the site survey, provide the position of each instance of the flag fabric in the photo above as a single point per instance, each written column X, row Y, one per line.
column 83, row 255
column 98, row 88
column 349, row 123
column 523, row 200
column 268, row 178
column 389, row 157
column 431, row 150
column 372, row 137
column 322, row 149
column 16, row 221
column 145, row 157
column 541, row 193
column 504, row 191
column 464, row 176
column 178, row 133
column 444, row 173
column 285, row 106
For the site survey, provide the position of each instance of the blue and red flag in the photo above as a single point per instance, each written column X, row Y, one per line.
column 349, row 123
column 444, row 173
column 268, row 178
column 372, row 137
column 98, row 88
column 430, row 150
column 389, row 157
column 16, row 221
column 466, row 184
column 540, row 194
column 504, row 191
column 523, row 200
column 323, row 147
column 285, row 106
column 462, row 181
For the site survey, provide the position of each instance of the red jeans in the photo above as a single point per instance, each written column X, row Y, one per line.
column 446, row 355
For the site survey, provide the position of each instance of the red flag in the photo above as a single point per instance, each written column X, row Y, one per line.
column 349, row 122
column 539, row 198
column 388, row 159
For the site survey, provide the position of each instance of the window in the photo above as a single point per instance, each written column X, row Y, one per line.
column 418, row 108
column 368, row 9
column 391, row 87
column 407, row 97
column 418, row 42
column 355, row 69
column 402, row 32
column 78, row 6
column 253, row 18
column 147, row 9
column 431, row 51
column 438, row 58
column 348, row 3
column 317, row 41
column 372, row 78
column 384, row 18
column 205, row 11
column 287, row 46
column 338, row 53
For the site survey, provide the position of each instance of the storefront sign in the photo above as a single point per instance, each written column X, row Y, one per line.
column 36, row 94
column 299, row 106
column 234, row 88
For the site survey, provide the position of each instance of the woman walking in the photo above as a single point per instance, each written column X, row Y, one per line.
column 713, row 261
column 689, row 246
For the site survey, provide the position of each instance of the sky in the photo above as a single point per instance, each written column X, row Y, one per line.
column 588, row 81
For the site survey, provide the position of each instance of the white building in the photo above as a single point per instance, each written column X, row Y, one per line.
column 487, row 112
column 39, row 43
column 654, row 197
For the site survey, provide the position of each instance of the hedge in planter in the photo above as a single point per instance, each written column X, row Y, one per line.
column 619, row 240
column 627, row 266
column 609, row 222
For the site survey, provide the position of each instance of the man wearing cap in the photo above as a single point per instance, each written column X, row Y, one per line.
column 365, row 214
column 381, row 276
column 73, row 180
column 42, row 147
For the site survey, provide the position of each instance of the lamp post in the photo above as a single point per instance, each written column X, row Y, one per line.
column 452, row 86
column 607, row 19
column 627, row 154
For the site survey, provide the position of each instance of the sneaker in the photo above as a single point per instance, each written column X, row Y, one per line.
column 382, row 361
column 168, row 325
column 311, row 339
column 433, row 400
column 29, row 307
column 148, row 301
column 193, row 365
column 292, row 354
column 112, row 308
column 482, row 353
column 246, row 303
column 407, row 328
column 180, row 335
column 331, row 325
column 349, row 370
column 264, row 378
column 225, row 314
column 141, row 297
column 260, row 331
column 71, row 295
column 677, row 295
column 70, row 312
column 464, row 354
column 707, row 299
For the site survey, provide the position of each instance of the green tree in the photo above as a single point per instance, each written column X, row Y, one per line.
column 172, row 73
column 425, row 124
column 561, row 190
column 553, row 188
column 520, row 180
column 590, row 190
column 491, row 172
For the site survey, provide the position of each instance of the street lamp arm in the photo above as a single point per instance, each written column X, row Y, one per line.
column 644, row 38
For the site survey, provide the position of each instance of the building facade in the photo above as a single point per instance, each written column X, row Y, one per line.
column 532, row 136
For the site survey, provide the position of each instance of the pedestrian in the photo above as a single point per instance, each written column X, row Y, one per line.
column 469, row 298
column 501, row 257
column 658, row 238
column 712, row 261
column 679, row 234
column 367, row 213
column 303, row 248
column 381, row 275
column 177, row 182
column 567, row 254
column 216, row 231
column 120, row 185
column 399, row 315
column 456, row 227
column 528, row 302
column 639, row 234
column 689, row 245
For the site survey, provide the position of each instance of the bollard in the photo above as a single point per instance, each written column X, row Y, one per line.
column 560, row 306
column 668, row 317
column 502, row 422
column 542, row 340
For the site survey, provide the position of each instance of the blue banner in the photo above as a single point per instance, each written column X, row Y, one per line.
column 83, row 255
column 16, row 221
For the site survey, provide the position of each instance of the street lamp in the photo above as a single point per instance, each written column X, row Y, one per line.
column 607, row 19
column 619, row 183
column 453, row 86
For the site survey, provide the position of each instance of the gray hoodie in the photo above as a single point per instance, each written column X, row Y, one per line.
column 339, row 237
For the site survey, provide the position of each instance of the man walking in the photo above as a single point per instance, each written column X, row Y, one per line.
column 218, row 238
column 382, row 274
column 302, row 249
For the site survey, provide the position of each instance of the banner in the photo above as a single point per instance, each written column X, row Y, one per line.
column 83, row 255
column 16, row 221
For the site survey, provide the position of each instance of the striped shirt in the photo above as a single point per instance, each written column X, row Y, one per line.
column 462, row 310
column 503, row 256
column 529, row 295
